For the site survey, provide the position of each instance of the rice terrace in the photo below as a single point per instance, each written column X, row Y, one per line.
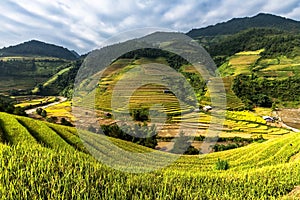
column 152, row 123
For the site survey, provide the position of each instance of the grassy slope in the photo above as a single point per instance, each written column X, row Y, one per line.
column 259, row 171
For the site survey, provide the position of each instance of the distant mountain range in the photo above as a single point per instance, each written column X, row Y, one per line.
column 231, row 27
column 236, row 25
column 38, row 48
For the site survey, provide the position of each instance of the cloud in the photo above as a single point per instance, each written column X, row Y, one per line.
column 85, row 24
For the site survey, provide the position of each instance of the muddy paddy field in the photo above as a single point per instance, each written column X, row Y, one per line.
column 290, row 117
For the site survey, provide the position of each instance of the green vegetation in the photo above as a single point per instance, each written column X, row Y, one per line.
column 43, row 134
column 65, row 122
column 182, row 145
column 61, row 83
column 20, row 75
column 222, row 164
column 155, row 93
column 38, row 68
column 137, row 133
column 236, row 25
column 27, row 104
column 14, row 132
column 7, row 105
column 274, row 42
column 141, row 114
column 173, row 60
column 260, row 91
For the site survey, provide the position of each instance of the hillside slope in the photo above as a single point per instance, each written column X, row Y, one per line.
column 42, row 158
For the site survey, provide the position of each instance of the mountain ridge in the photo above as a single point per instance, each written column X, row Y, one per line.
column 236, row 25
column 39, row 48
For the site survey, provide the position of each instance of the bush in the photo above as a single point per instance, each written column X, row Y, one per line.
column 65, row 122
column 92, row 129
column 182, row 145
column 141, row 114
column 140, row 134
column 191, row 151
column 222, row 164
column 52, row 119
column 44, row 113
column 39, row 111
column 222, row 147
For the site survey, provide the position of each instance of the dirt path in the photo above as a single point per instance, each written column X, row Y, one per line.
column 32, row 110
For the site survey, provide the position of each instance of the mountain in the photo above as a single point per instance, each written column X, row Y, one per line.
column 31, row 64
column 275, row 42
column 38, row 48
column 236, row 25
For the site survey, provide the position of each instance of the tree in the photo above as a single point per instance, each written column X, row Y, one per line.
column 39, row 111
column 140, row 134
column 182, row 145
column 44, row 113
column 65, row 122
column 262, row 100
column 141, row 114
column 92, row 129
column 19, row 111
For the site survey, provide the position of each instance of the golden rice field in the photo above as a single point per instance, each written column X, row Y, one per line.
column 46, row 161
column 63, row 109
column 36, row 102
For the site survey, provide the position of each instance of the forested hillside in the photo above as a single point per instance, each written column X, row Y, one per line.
column 37, row 48
column 236, row 25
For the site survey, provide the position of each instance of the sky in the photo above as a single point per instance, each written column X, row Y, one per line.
column 83, row 25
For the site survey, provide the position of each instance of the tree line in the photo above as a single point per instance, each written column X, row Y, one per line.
column 260, row 91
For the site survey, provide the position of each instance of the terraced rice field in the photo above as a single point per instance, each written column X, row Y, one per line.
column 49, row 161
column 36, row 102
column 124, row 83
column 60, row 110
column 240, row 63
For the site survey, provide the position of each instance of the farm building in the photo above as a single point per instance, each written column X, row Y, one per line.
column 207, row 108
column 268, row 118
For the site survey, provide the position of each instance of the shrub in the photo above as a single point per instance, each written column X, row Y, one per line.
column 39, row 111
column 222, row 164
column 65, row 122
column 141, row 114
column 182, row 145
column 191, row 151
column 44, row 113
column 141, row 134
column 92, row 129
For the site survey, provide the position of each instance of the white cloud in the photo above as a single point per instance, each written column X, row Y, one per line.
column 85, row 24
